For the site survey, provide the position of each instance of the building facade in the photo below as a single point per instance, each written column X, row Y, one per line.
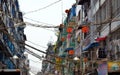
column 90, row 33
column 12, row 37
column 101, row 16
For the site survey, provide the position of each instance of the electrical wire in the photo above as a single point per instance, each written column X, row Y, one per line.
column 30, row 24
column 37, row 25
column 15, row 25
column 40, row 22
column 41, row 26
column 34, row 54
column 35, row 61
column 45, row 59
column 37, row 21
column 36, row 44
column 33, row 48
column 42, row 7
column 52, row 55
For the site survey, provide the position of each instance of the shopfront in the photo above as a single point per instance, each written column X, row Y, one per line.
column 113, row 67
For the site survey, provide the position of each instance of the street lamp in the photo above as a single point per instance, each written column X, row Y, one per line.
column 15, row 57
column 76, row 58
column 76, row 69
column 16, row 60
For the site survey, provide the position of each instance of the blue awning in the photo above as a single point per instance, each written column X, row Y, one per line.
column 67, row 49
column 91, row 45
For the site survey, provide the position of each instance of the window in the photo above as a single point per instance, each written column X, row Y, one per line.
column 115, row 7
column 94, row 2
column 79, row 16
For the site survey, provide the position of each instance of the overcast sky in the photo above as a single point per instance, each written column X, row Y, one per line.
column 51, row 15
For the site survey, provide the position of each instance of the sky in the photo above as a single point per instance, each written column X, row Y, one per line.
column 50, row 16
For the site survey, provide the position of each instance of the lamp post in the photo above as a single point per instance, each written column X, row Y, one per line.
column 76, row 69
column 15, row 57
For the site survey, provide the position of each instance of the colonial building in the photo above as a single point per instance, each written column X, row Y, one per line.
column 102, row 19
column 12, row 37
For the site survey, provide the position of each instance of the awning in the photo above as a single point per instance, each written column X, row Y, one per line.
column 99, row 39
column 67, row 49
column 91, row 45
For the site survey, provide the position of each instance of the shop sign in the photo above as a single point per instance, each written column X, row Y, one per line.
column 113, row 66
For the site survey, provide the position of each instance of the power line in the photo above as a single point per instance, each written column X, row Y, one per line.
column 30, row 24
column 34, row 48
column 37, row 44
column 36, row 21
column 40, row 22
column 24, row 23
column 35, row 61
column 43, row 7
column 52, row 55
column 41, row 26
column 34, row 54
column 47, row 60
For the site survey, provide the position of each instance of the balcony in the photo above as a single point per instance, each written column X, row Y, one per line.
column 8, row 46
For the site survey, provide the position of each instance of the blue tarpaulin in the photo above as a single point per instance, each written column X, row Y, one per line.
column 91, row 45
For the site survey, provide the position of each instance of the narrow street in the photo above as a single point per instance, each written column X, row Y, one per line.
column 81, row 40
